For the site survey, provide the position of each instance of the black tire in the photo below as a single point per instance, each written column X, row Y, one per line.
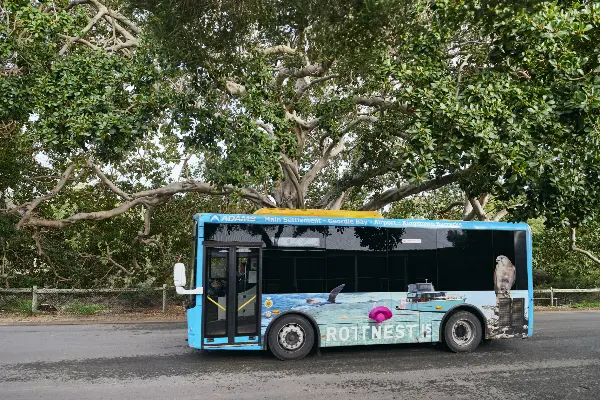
column 462, row 332
column 291, row 337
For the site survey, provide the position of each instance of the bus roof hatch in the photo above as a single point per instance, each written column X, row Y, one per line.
column 318, row 213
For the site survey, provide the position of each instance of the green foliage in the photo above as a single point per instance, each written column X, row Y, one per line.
column 587, row 304
column 555, row 265
column 18, row 306
column 507, row 90
column 83, row 309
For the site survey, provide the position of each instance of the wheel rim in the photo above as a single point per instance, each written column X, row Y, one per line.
column 291, row 337
column 463, row 332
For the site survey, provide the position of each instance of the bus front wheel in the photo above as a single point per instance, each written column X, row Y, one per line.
column 462, row 332
column 291, row 337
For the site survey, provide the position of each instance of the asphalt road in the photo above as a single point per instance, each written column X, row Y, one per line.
column 152, row 361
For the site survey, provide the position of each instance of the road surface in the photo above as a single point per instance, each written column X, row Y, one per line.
column 152, row 361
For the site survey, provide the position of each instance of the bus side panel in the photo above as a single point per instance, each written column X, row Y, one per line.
column 194, row 319
column 346, row 322
column 194, row 314
column 530, row 281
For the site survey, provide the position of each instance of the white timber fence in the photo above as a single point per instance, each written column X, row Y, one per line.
column 88, row 301
column 558, row 297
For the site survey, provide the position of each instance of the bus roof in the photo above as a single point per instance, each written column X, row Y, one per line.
column 318, row 213
column 318, row 220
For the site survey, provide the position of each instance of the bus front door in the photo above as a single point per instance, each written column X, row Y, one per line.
column 232, row 305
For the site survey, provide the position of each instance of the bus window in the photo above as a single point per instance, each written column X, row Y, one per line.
column 278, row 272
column 511, row 244
column 465, row 260
column 356, row 257
column 412, row 257
column 217, row 259
column 310, row 272
column 246, row 291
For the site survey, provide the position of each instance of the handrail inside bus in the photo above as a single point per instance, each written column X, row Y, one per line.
column 318, row 213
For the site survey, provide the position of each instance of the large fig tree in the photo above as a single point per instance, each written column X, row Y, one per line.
column 294, row 104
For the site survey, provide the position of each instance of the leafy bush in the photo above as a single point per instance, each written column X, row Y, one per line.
column 83, row 309
column 587, row 304
column 18, row 306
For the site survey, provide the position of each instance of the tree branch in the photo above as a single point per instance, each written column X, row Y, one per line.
column 74, row 3
column 152, row 197
column 307, row 125
column 265, row 127
column 147, row 220
column 356, row 180
column 42, row 253
column 277, row 49
column 74, row 39
column 381, row 103
column 300, row 91
column 462, row 65
column 452, row 206
column 332, row 150
column 472, row 213
column 500, row 214
column 467, row 213
column 337, row 203
column 573, row 247
column 392, row 195
column 478, row 208
column 234, row 89
column 290, row 169
column 111, row 16
column 30, row 206
column 309, row 70
column 110, row 259
column 107, row 181
column 84, row 31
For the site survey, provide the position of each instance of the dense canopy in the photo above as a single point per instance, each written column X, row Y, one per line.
column 119, row 111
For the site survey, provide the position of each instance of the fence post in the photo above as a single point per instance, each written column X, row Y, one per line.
column 551, row 297
column 34, row 300
column 164, row 310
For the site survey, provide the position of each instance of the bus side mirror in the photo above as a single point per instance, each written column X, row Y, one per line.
column 179, row 275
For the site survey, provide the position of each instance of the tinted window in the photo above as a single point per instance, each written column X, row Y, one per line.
column 398, row 280
column 282, row 236
column 356, row 257
column 412, row 257
column 512, row 244
column 310, row 272
column 465, row 260
column 278, row 272
column 411, row 239
column 232, row 233
column 289, row 271
column 372, row 272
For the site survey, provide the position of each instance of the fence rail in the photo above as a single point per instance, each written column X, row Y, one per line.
column 158, row 299
column 554, row 299
column 35, row 300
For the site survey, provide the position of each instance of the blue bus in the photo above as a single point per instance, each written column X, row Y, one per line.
column 291, row 281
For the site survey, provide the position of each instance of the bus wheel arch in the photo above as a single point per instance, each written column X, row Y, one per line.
column 295, row 317
column 464, row 309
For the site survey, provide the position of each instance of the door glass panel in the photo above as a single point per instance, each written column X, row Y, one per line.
column 216, row 291
column 246, row 291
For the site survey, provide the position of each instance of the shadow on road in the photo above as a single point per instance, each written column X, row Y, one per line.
column 429, row 350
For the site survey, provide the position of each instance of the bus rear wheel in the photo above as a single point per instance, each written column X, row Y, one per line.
column 291, row 337
column 462, row 332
